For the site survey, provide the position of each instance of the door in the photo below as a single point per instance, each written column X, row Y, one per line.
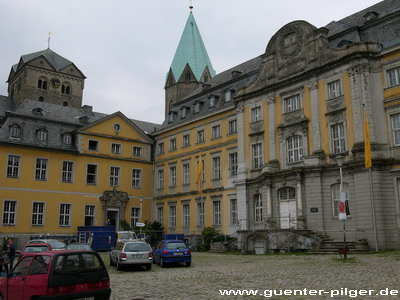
column 259, row 246
column 113, row 218
column 288, row 214
column 17, row 281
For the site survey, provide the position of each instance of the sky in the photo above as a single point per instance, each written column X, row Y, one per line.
column 125, row 47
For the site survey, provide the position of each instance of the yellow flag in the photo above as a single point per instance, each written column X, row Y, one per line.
column 367, row 145
column 199, row 172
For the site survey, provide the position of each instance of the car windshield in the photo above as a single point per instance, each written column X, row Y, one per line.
column 32, row 249
column 137, row 247
column 175, row 245
column 78, row 247
column 57, row 245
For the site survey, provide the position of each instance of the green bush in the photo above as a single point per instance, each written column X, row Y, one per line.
column 206, row 235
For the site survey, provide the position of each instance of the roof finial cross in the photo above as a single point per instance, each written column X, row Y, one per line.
column 191, row 5
column 48, row 40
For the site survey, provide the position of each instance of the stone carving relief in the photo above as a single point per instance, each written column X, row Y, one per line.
column 114, row 198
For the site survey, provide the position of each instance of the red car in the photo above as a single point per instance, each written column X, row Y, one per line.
column 55, row 275
column 33, row 248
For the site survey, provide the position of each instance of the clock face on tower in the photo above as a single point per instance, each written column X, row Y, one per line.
column 55, row 83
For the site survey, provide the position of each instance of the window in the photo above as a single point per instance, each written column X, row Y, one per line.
column 89, row 215
column 186, row 215
column 136, row 178
column 216, row 131
column 15, row 131
column 295, row 148
column 172, row 216
column 186, row 140
column 93, row 145
column 228, row 95
column 183, row 112
column 234, row 212
column 160, row 179
column 393, row 76
column 256, row 114
column 91, row 174
column 67, row 171
column 137, row 151
column 172, row 176
column 232, row 126
column 160, row 148
column 200, row 214
column 395, row 120
column 65, row 103
column 197, row 107
column 114, row 176
column 335, row 192
column 66, row 89
column 338, row 138
column 41, row 169
column 65, row 214
column 135, row 216
column 186, row 173
column 171, row 117
column 42, row 83
column 212, row 101
column 9, row 212
column 216, row 167
column 41, row 135
column 257, row 155
column 160, row 214
column 67, row 139
column 115, row 148
column 217, row 213
column 172, row 144
column 13, row 165
column 38, row 213
column 258, row 211
column 292, row 103
column 233, row 164
column 334, row 89
column 200, row 136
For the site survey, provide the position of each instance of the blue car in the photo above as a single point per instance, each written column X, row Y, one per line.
column 172, row 251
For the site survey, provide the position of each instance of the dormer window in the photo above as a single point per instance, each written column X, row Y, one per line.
column 228, row 95
column 197, row 107
column 15, row 131
column 370, row 16
column 41, row 135
column 212, row 101
column 67, row 139
column 184, row 111
column 171, row 116
column 37, row 111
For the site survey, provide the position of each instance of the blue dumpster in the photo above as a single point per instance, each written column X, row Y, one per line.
column 101, row 238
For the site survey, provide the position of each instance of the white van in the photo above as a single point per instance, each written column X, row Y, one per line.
column 123, row 236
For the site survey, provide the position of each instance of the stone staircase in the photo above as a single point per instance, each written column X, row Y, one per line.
column 330, row 246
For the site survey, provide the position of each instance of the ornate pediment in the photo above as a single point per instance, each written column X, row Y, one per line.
column 114, row 198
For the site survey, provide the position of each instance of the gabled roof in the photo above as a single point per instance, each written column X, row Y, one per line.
column 6, row 104
column 191, row 50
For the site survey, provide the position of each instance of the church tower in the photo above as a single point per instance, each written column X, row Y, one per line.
column 47, row 77
column 190, row 67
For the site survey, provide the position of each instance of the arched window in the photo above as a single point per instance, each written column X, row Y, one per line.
column 188, row 76
column 41, row 99
column 65, row 103
column 294, row 148
column 66, row 88
column 15, row 131
column 42, row 83
column 41, row 135
column 258, row 211
column 335, row 193
column 287, row 193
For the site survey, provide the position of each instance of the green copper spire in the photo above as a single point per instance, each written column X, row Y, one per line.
column 191, row 50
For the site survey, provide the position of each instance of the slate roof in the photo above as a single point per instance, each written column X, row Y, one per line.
column 6, row 104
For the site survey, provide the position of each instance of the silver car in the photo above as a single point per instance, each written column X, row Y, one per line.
column 130, row 254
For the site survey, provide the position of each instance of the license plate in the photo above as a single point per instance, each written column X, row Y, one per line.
column 178, row 253
column 137, row 255
column 86, row 298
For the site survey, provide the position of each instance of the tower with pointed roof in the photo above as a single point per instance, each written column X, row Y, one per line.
column 190, row 66
column 47, row 77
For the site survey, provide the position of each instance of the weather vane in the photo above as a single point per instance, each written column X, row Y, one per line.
column 191, row 5
column 48, row 40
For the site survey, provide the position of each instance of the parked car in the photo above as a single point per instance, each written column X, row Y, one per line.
column 125, row 236
column 57, row 275
column 55, row 244
column 172, row 251
column 131, row 253
column 33, row 248
column 78, row 246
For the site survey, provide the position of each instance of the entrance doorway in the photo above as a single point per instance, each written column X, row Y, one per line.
column 287, row 207
column 113, row 217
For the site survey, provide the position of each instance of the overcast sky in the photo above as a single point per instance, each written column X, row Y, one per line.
column 125, row 47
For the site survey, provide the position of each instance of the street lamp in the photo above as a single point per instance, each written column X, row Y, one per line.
column 342, row 204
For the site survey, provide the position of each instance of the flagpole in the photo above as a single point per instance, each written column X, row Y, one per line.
column 373, row 210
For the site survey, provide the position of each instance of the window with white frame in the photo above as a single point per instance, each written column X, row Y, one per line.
column 334, row 89
column 160, row 215
column 41, row 135
column 217, row 219
column 216, row 131
column 335, row 193
column 160, row 179
column 136, row 178
column 292, row 103
column 200, row 214
column 90, row 215
column 115, row 148
column 234, row 212
column 114, row 176
column 186, row 140
column 67, row 139
column 15, row 131
column 135, row 216
column 200, row 136
column 393, row 76
column 216, row 167
column 338, row 138
column 228, row 95
column 256, row 114
column 258, row 209
column 41, row 169
column 183, row 112
column 233, row 164
column 186, row 214
column 212, row 101
column 13, row 166
column 232, row 126
column 172, row 176
column 67, row 171
column 294, row 148
column 38, row 214
column 197, row 107
column 395, row 121
column 91, row 174
column 186, row 173
column 65, row 214
column 9, row 212
column 256, row 150
column 160, row 148
column 172, row 216
column 137, row 151
column 172, row 144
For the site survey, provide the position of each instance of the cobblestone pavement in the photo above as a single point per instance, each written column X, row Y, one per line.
column 210, row 273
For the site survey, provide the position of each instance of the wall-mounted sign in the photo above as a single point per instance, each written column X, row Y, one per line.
column 314, row 209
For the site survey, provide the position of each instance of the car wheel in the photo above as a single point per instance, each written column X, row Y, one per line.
column 111, row 262
column 162, row 264
column 148, row 267
column 188, row 263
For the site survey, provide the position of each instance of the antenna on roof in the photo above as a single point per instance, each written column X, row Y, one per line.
column 48, row 40
column 191, row 6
